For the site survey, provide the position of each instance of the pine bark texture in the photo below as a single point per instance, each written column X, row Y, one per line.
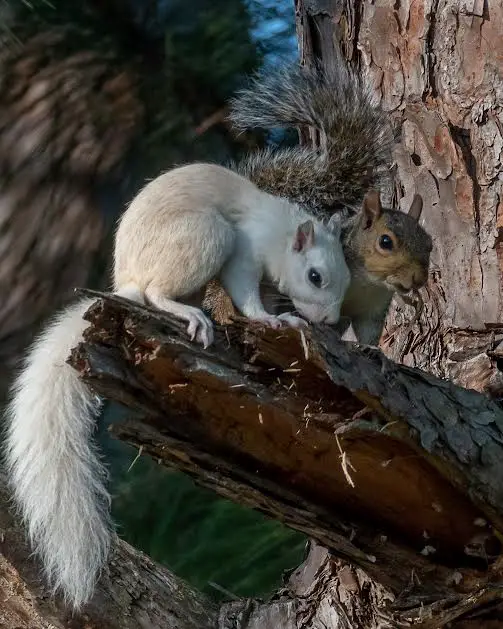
column 444, row 67
column 437, row 67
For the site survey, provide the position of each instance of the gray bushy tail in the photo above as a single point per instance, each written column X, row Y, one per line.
column 355, row 134
column 58, row 480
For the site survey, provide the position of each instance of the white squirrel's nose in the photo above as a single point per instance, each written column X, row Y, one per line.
column 333, row 316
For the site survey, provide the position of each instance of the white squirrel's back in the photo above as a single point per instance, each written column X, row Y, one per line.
column 189, row 188
column 185, row 211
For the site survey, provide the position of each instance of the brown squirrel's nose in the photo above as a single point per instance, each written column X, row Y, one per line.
column 402, row 288
column 415, row 281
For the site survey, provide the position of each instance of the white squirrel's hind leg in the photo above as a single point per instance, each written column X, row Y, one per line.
column 131, row 291
column 200, row 328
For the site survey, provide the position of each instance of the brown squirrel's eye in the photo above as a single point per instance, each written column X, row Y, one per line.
column 385, row 242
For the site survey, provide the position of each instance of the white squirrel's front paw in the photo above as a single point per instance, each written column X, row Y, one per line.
column 292, row 320
column 281, row 320
column 200, row 328
column 270, row 320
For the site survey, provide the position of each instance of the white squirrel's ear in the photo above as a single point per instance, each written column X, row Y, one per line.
column 334, row 225
column 371, row 208
column 416, row 207
column 304, row 236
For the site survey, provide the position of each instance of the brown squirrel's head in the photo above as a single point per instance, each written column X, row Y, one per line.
column 393, row 247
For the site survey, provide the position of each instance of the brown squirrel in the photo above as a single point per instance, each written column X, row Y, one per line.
column 387, row 251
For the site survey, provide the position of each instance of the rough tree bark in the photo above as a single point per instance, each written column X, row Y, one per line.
column 408, row 497
column 437, row 66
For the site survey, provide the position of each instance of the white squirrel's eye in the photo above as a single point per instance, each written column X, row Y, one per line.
column 314, row 277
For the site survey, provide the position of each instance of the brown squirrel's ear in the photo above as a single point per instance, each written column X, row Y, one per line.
column 371, row 207
column 304, row 236
column 416, row 207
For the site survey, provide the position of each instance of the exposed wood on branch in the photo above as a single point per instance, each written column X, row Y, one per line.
column 256, row 421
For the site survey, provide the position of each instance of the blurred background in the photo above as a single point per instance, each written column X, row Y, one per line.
column 96, row 97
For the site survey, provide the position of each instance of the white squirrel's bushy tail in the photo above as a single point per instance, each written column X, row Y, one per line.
column 58, row 480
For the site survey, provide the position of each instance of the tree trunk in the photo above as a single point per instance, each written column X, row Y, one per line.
column 436, row 65
column 135, row 592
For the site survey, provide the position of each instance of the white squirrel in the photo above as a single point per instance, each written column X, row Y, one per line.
column 186, row 227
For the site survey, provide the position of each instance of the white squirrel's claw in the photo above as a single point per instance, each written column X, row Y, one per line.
column 281, row 320
column 200, row 328
column 292, row 320
column 205, row 335
column 270, row 320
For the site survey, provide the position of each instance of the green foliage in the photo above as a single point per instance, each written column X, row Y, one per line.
column 224, row 51
column 202, row 538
